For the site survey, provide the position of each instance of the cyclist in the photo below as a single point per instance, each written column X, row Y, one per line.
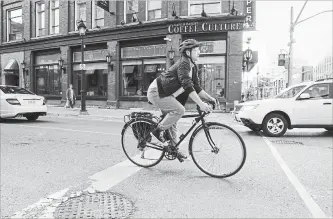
column 170, row 91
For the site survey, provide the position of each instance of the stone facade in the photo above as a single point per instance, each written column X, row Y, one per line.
column 112, row 35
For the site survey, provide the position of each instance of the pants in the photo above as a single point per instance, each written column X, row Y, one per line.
column 173, row 109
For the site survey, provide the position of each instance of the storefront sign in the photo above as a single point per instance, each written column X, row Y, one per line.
column 144, row 51
column 47, row 59
column 92, row 55
column 196, row 27
column 250, row 20
column 213, row 47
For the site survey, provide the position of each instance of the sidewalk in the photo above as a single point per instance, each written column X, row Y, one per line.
column 118, row 114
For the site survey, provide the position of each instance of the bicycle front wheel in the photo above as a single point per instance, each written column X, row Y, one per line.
column 218, row 150
column 141, row 154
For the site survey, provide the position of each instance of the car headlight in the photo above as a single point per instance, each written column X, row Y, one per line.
column 248, row 107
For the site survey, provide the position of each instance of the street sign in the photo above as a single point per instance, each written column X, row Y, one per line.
column 82, row 66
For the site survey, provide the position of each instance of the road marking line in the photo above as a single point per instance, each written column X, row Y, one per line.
column 308, row 200
column 72, row 130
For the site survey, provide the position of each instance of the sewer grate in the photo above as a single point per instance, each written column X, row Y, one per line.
column 96, row 205
column 287, row 142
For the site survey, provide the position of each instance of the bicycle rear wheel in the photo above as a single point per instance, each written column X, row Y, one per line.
column 224, row 159
column 140, row 154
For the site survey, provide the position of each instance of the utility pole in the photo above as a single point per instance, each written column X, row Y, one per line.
column 291, row 36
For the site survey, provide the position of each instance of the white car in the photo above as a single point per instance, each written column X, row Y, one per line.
column 18, row 102
column 306, row 105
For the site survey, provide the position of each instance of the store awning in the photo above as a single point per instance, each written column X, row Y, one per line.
column 128, row 69
column 12, row 66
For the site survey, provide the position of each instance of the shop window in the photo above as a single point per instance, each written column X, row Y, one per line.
column 48, row 80
column 14, row 25
column 96, row 78
column 210, row 6
column 154, row 9
column 211, row 67
column 80, row 12
column 98, row 15
column 54, row 17
column 137, row 75
column 40, row 19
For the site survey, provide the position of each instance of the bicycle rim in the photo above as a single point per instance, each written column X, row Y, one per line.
column 132, row 132
column 230, row 157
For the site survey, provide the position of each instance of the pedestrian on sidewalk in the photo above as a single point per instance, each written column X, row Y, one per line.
column 70, row 96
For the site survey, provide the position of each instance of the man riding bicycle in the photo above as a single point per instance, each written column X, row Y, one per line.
column 170, row 91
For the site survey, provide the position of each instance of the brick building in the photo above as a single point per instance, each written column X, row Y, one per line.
column 138, row 37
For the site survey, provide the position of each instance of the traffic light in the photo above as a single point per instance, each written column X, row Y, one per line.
column 282, row 60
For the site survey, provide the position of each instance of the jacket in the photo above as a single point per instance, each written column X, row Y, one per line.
column 177, row 76
column 68, row 94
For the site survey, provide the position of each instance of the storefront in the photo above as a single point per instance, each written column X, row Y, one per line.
column 11, row 71
column 139, row 66
column 95, row 72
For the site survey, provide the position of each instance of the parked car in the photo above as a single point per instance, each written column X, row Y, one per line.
column 305, row 105
column 17, row 102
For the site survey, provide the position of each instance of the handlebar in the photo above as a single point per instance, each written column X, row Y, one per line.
column 211, row 103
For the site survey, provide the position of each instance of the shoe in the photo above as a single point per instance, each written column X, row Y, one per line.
column 181, row 157
column 157, row 133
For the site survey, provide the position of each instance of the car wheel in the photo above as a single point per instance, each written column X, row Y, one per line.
column 32, row 118
column 274, row 125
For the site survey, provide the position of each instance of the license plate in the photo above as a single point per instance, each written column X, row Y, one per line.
column 31, row 102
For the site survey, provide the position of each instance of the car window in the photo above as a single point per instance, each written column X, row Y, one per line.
column 15, row 90
column 291, row 92
column 318, row 91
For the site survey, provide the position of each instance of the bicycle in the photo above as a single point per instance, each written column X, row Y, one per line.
column 148, row 154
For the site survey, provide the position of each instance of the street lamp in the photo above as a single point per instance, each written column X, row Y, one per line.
column 82, row 30
column 247, row 58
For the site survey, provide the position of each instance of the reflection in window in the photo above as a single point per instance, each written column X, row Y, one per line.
column 15, row 25
column 318, row 91
column 154, row 8
column 137, row 77
column 54, row 17
column 210, row 6
column 40, row 19
column 80, row 12
column 96, row 82
column 212, row 78
column 98, row 16
column 131, row 8
column 291, row 92
column 48, row 80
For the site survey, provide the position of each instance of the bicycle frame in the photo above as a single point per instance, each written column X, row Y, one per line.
column 198, row 117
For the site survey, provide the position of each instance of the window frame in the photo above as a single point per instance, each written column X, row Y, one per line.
column 76, row 14
column 52, row 19
column 8, row 22
column 329, row 95
column 94, row 15
column 39, row 15
column 125, row 12
column 147, row 10
column 207, row 3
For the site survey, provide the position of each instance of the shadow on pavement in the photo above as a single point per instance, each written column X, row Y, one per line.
column 25, row 121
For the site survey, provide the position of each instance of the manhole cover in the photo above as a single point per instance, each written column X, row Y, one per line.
column 287, row 142
column 96, row 205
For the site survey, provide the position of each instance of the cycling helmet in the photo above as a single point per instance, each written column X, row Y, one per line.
column 188, row 44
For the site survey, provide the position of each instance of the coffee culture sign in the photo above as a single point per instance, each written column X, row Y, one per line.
column 195, row 27
column 218, row 26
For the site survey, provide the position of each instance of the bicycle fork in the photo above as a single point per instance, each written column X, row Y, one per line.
column 210, row 140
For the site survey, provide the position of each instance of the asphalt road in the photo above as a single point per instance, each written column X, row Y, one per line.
column 287, row 177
